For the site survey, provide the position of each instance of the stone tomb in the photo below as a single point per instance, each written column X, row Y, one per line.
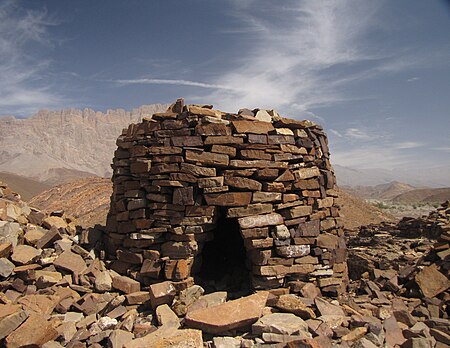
column 214, row 198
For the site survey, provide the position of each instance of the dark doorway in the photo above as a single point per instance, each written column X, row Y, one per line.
column 223, row 265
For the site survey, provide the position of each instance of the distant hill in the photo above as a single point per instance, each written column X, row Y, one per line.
column 382, row 192
column 438, row 195
column 419, row 177
column 56, row 146
column 86, row 199
column 27, row 188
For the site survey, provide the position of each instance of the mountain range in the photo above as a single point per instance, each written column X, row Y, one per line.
column 59, row 146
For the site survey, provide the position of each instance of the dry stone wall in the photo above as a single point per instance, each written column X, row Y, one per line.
column 177, row 172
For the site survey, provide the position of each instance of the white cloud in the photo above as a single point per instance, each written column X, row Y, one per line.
column 20, row 91
column 443, row 148
column 408, row 145
column 170, row 82
column 356, row 133
column 412, row 79
column 335, row 132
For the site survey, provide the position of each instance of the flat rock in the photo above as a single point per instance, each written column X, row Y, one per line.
column 35, row 331
column 166, row 316
column 230, row 315
column 431, row 281
column 6, row 267
column 11, row 321
column 166, row 337
column 293, row 304
column 119, row 338
column 54, row 221
column 24, row 254
column 126, row 284
column 280, row 323
column 327, row 308
column 70, row 262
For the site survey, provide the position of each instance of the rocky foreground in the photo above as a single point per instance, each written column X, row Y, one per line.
column 56, row 291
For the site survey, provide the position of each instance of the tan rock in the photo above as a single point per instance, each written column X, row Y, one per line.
column 280, row 323
column 125, row 284
column 243, row 183
column 431, row 281
column 355, row 334
column 230, row 315
column 254, row 127
column 35, row 331
column 161, row 293
column 37, row 303
column 54, row 221
column 24, row 254
column 166, row 316
column 70, row 262
column 293, row 304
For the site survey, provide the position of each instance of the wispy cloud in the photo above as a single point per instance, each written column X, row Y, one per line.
column 412, row 79
column 21, row 91
column 359, row 134
column 408, row 145
column 292, row 60
column 442, row 148
column 170, row 82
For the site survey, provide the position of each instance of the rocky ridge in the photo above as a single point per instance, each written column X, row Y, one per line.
column 54, row 145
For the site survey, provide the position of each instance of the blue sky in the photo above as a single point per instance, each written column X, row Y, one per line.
column 375, row 74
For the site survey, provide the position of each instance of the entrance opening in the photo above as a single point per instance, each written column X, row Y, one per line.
column 223, row 265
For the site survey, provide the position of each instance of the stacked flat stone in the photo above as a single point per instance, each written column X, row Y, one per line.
column 176, row 172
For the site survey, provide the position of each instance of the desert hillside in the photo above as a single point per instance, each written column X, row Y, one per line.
column 437, row 195
column 52, row 146
column 27, row 187
column 86, row 199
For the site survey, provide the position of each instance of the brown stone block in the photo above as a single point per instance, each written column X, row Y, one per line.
column 251, row 209
column 197, row 170
column 274, row 187
column 183, row 196
column 161, row 168
column 255, row 154
column 229, row 199
column 295, row 212
column 223, row 140
column 258, row 243
column 254, row 127
column 261, row 197
column 308, row 184
column 306, row 173
column 161, row 293
column 35, row 331
column 228, row 316
column 257, row 232
column 187, row 141
column 258, row 164
column 165, row 150
column 281, row 139
column 200, row 210
column 212, row 129
column 206, row 158
column 125, row 284
column 266, row 173
column 227, row 150
column 243, row 183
